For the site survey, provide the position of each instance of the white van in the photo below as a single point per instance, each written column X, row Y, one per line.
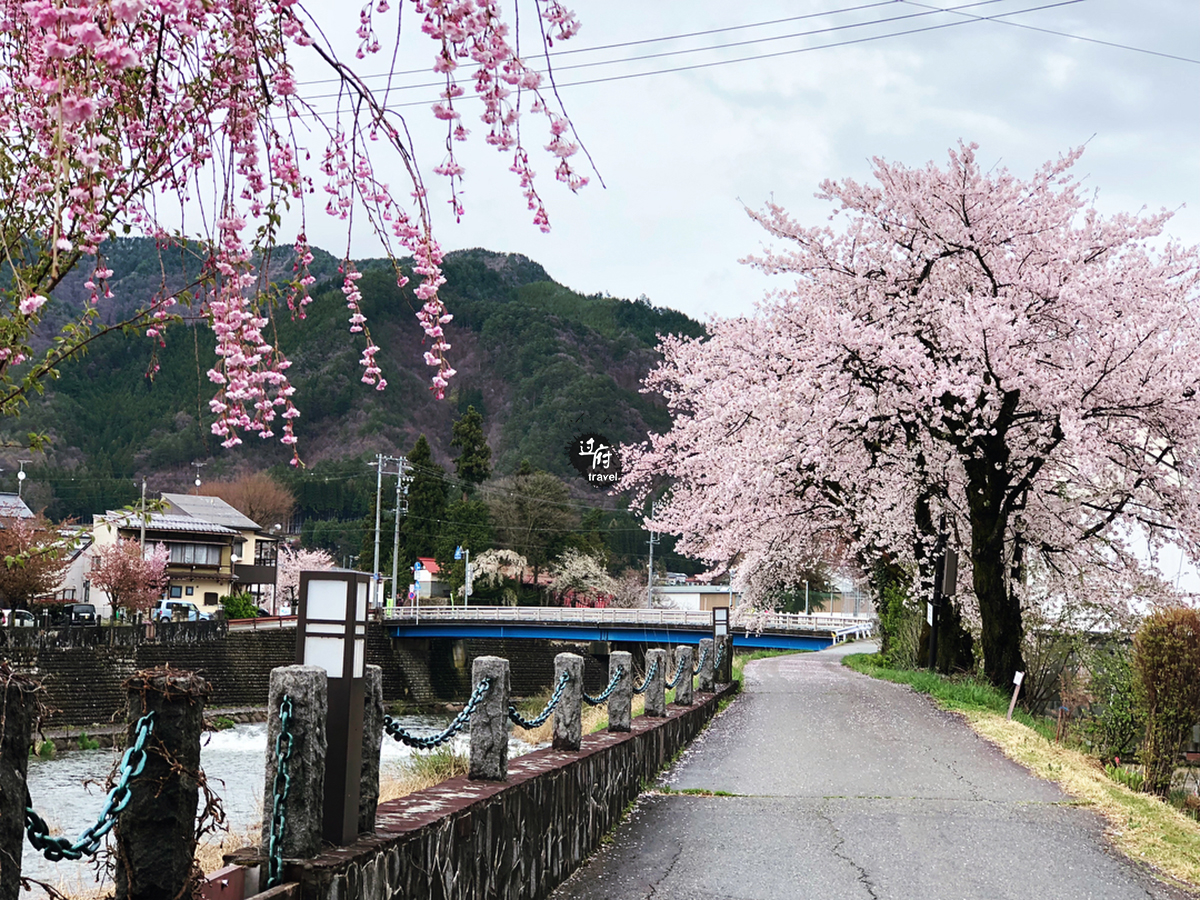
column 165, row 611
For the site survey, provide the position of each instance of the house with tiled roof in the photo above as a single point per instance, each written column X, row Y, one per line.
column 213, row 550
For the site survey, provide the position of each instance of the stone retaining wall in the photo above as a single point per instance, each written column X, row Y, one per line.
column 471, row 840
column 83, row 683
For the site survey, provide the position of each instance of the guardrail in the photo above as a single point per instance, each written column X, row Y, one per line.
column 678, row 618
column 262, row 623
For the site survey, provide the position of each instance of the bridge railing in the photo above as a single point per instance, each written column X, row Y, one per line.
column 677, row 618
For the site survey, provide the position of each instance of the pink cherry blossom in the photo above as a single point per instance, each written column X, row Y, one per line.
column 972, row 355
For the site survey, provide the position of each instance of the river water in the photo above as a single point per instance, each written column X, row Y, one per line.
column 68, row 791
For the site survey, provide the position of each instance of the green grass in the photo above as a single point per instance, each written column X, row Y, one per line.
column 962, row 694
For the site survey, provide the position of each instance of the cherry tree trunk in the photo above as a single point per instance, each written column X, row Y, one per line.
column 999, row 610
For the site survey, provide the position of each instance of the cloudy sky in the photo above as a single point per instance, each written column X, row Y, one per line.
column 683, row 153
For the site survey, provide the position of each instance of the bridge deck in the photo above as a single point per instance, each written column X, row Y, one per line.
column 763, row 630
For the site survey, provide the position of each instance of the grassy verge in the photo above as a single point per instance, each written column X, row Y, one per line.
column 958, row 694
column 1140, row 825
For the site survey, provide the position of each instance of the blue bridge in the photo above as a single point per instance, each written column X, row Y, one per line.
column 783, row 631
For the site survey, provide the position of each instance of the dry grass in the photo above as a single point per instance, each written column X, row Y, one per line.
column 1141, row 825
column 595, row 718
column 210, row 852
column 420, row 771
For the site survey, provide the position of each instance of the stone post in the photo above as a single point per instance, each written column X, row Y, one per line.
column 568, row 715
column 656, row 687
column 724, row 673
column 304, row 806
column 683, row 690
column 156, row 832
column 19, row 709
column 707, row 657
column 620, row 701
column 489, row 721
column 368, row 793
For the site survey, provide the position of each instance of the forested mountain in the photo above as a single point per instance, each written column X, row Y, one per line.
column 539, row 361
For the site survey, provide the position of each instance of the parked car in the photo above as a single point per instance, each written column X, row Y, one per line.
column 17, row 618
column 165, row 611
column 76, row 614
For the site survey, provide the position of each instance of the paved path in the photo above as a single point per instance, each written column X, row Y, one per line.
column 843, row 787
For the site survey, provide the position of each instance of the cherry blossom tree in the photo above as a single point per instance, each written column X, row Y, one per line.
column 33, row 558
column 290, row 563
column 582, row 578
column 970, row 356
column 128, row 116
column 493, row 568
column 132, row 579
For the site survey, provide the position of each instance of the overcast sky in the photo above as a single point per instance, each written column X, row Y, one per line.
column 683, row 153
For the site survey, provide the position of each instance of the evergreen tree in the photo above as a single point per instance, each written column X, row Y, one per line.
column 474, row 464
column 533, row 515
column 426, row 503
column 467, row 524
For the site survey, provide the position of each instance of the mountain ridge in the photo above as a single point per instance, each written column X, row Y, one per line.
column 541, row 362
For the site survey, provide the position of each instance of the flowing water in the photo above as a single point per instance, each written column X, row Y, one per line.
column 68, row 791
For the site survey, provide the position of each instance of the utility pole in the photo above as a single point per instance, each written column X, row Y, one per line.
column 653, row 540
column 378, row 464
column 376, row 576
column 142, row 520
column 403, row 480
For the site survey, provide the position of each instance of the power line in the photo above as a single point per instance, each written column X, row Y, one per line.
column 761, row 56
column 643, row 41
column 931, row 11
column 1074, row 37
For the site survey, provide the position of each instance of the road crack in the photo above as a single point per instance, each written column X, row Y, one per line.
column 667, row 873
column 863, row 878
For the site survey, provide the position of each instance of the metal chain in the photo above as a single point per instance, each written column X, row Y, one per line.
column 280, row 789
column 700, row 661
column 612, row 685
column 131, row 766
column 646, row 682
column 678, row 674
column 720, row 655
column 545, row 713
column 428, row 743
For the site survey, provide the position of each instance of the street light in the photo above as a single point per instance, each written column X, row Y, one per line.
column 332, row 633
column 459, row 552
column 21, row 476
column 416, row 570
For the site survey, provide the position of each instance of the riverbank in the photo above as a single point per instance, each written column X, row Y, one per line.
column 112, row 734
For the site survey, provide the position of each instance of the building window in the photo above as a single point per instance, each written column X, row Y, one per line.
column 176, row 591
column 210, row 598
column 190, row 590
column 196, row 554
column 265, row 553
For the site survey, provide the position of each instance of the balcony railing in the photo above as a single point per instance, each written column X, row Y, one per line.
column 676, row 618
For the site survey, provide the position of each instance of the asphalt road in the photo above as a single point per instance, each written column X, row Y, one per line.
column 823, row 783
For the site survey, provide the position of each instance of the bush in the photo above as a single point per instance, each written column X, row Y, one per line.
column 240, row 606
column 1115, row 725
column 899, row 622
column 1166, row 664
